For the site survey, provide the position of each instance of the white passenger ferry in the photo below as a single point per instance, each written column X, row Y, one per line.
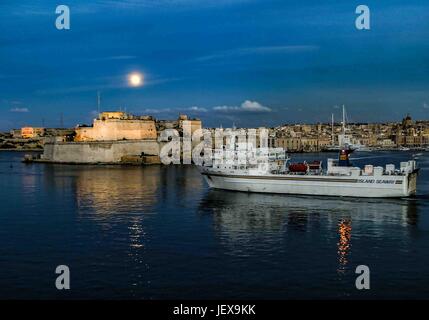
column 272, row 172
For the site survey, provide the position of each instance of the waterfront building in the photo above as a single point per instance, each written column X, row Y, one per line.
column 305, row 137
column 411, row 134
column 28, row 133
column 178, row 124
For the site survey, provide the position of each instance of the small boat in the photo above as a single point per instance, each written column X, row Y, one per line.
column 331, row 148
column 363, row 148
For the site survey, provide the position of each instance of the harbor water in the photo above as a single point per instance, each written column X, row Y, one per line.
column 158, row 232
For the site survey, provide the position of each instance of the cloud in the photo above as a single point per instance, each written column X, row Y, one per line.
column 258, row 50
column 177, row 4
column 113, row 58
column 425, row 105
column 46, row 10
column 193, row 109
column 19, row 110
column 246, row 106
column 95, row 6
column 104, row 83
column 196, row 109
column 156, row 111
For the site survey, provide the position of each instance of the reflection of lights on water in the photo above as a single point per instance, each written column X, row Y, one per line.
column 344, row 231
column 137, row 234
column 136, row 254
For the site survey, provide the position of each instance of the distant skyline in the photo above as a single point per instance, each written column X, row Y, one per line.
column 248, row 62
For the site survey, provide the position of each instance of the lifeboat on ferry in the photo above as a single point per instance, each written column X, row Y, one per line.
column 315, row 165
column 298, row 167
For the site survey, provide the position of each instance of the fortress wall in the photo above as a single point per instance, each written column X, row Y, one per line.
column 48, row 150
column 97, row 152
column 117, row 129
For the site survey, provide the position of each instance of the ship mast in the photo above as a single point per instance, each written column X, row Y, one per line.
column 332, row 129
column 98, row 101
column 344, row 120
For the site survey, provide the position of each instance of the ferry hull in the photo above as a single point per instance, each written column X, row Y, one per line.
column 320, row 186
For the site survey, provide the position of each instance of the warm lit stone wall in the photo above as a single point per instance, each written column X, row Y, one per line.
column 117, row 129
column 195, row 125
column 98, row 152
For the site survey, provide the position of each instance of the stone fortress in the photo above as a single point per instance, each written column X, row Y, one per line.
column 115, row 137
column 114, row 126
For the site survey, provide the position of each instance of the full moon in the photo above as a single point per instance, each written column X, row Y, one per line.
column 135, row 79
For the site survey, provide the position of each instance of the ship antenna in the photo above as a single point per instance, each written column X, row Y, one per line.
column 98, row 101
column 344, row 120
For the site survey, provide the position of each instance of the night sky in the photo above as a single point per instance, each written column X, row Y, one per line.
column 247, row 62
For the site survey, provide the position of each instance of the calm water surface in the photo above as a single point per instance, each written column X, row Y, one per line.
column 159, row 233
